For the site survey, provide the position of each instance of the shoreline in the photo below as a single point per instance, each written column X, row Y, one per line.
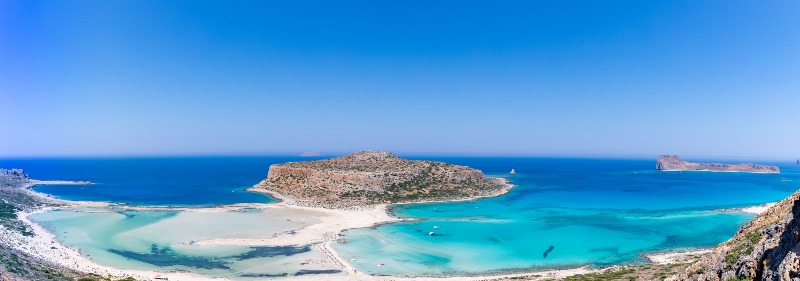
column 756, row 210
column 320, row 236
column 46, row 246
column 677, row 256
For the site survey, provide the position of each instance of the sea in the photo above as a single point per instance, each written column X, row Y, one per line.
column 564, row 213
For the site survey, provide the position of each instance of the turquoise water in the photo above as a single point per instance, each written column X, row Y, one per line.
column 160, row 240
column 564, row 213
column 576, row 211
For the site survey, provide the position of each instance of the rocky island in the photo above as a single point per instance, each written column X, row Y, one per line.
column 675, row 163
column 371, row 177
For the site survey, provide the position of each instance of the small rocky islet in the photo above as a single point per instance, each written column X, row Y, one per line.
column 675, row 163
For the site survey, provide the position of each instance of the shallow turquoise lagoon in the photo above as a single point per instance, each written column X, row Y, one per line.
column 161, row 240
column 540, row 238
column 564, row 213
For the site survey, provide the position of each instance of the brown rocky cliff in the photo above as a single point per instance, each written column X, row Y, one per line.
column 766, row 248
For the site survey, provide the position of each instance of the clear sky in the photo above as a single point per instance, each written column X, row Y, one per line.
column 574, row 78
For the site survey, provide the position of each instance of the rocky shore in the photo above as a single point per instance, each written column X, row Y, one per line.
column 766, row 248
column 675, row 163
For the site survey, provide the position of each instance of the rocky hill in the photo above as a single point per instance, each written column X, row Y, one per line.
column 370, row 177
column 675, row 163
column 766, row 248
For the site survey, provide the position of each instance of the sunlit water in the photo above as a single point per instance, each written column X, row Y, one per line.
column 564, row 213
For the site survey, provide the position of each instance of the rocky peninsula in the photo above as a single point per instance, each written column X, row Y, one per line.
column 18, row 178
column 370, row 178
column 675, row 163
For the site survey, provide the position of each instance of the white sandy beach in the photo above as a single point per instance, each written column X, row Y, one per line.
column 333, row 222
column 757, row 209
column 674, row 257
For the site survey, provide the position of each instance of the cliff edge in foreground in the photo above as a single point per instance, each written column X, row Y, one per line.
column 675, row 163
column 373, row 177
column 766, row 248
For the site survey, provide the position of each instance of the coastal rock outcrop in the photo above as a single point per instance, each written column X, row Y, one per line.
column 675, row 163
column 766, row 248
column 372, row 177
column 13, row 178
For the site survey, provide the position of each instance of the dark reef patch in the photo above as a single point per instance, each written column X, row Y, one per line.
column 168, row 257
column 265, row 252
column 326, row 271
column 547, row 252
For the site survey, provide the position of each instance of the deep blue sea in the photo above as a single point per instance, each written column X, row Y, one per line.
column 187, row 181
column 565, row 212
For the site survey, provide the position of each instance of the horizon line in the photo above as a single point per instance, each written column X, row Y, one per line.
column 402, row 154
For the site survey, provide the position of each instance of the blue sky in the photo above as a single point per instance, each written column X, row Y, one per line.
column 570, row 78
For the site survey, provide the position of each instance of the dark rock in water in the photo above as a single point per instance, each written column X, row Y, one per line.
column 272, row 251
column 263, row 275
column 168, row 257
column 547, row 252
column 308, row 271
